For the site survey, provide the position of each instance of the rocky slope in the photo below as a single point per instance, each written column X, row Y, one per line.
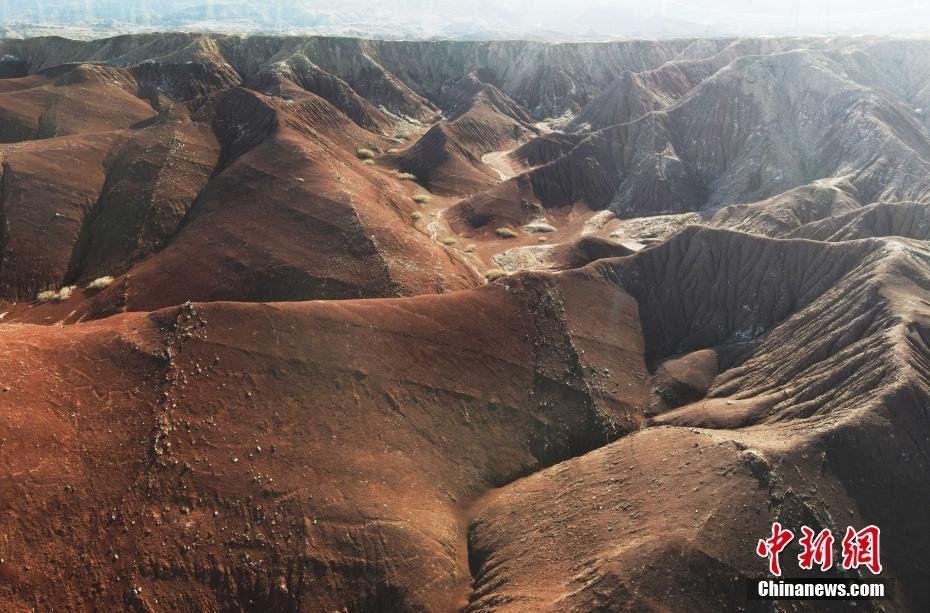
column 308, row 323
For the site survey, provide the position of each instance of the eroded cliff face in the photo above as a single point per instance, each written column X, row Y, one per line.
column 333, row 324
column 546, row 78
column 659, row 126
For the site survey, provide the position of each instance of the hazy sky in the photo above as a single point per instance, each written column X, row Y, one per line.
column 808, row 16
column 453, row 17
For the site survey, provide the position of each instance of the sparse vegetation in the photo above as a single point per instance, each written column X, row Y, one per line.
column 422, row 198
column 368, row 162
column 448, row 241
column 492, row 274
column 406, row 176
column 100, row 283
column 539, row 226
column 392, row 151
column 505, row 233
column 51, row 295
column 365, row 154
column 416, row 215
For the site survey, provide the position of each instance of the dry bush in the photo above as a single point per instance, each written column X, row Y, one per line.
column 505, row 233
column 51, row 295
column 100, row 283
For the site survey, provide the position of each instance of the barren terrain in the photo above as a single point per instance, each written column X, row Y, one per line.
column 332, row 324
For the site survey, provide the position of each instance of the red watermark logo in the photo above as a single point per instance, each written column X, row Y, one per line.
column 859, row 548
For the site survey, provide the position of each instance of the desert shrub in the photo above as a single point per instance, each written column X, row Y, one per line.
column 406, row 176
column 51, row 295
column 392, row 151
column 539, row 226
column 493, row 274
column 365, row 154
column 422, row 198
column 368, row 162
column 448, row 241
column 416, row 215
column 470, row 248
column 100, row 282
column 505, row 233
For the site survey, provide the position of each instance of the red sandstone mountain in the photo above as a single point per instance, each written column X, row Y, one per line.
column 429, row 326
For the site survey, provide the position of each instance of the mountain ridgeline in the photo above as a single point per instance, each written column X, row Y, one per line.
column 334, row 324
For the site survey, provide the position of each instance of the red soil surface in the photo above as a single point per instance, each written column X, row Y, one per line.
column 298, row 392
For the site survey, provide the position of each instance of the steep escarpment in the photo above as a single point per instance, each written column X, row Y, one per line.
column 299, row 71
column 817, row 384
column 445, row 163
column 326, row 228
column 316, row 458
column 755, row 127
column 672, row 126
column 707, row 287
column 97, row 196
column 905, row 219
column 70, row 100
column 449, row 158
column 486, row 118
column 79, row 207
column 792, row 316
column 613, row 528
column 546, row 78
column 635, row 93
column 307, row 323
column 546, row 148
column 785, row 213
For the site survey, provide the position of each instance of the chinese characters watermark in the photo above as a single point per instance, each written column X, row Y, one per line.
column 859, row 548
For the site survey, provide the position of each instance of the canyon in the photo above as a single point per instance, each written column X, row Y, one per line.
column 335, row 324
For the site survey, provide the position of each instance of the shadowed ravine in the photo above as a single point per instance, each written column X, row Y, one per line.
column 331, row 324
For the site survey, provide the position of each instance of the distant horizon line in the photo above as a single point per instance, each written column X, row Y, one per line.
column 461, row 39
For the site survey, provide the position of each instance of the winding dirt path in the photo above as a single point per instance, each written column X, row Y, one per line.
column 500, row 162
column 438, row 227
column 437, row 224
